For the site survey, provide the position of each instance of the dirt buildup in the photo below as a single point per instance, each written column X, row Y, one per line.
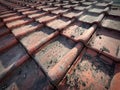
column 97, row 69
column 105, row 49
column 49, row 55
column 73, row 80
column 50, row 63
column 79, row 30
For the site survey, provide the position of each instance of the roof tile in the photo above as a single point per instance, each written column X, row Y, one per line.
column 79, row 31
column 106, row 41
column 63, row 44
column 7, row 41
column 88, row 72
column 110, row 22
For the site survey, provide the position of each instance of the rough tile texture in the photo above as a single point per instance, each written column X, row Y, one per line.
column 107, row 42
column 50, row 54
column 59, row 44
column 90, row 73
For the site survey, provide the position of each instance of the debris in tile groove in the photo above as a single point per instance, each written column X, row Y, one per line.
column 105, row 49
column 118, row 50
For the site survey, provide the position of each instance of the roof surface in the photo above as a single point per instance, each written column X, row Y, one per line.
column 63, row 45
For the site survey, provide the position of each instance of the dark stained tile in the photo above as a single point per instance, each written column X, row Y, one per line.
column 27, row 77
column 89, row 72
column 9, row 57
column 74, row 44
column 50, row 54
column 6, row 42
column 4, row 31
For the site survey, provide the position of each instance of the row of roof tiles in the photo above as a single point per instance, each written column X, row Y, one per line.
column 63, row 40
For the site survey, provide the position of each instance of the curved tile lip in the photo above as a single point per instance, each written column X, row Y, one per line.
column 84, row 37
column 19, row 34
column 56, row 73
column 36, row 72
column 33, row 49
column 97, row 18
column 22, row 22
column 114, row 83
column 46, row 18
column 8, row 41
column 9, row 19
column 74, row 69
column 4, row 74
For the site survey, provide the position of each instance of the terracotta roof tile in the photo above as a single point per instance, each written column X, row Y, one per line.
column 79, row 31
column 7, row 41
column 27, row 76
column 13, row 18
column 106, row 41
column 25, row 29
column 46, row 18
column 89, row 72
column 59, row 23
column 71, row 14
column 34, row 40
column 59, row 44
column 4, row 30
column 54, row 51
column 16, row 23
column 110, row 22
column 91, row 17
column 116, row 78
column 7, row 15
column 36, row 15
column 59, row 11
column 115, row 10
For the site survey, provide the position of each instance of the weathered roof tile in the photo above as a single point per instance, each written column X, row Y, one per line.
column 59, row 44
